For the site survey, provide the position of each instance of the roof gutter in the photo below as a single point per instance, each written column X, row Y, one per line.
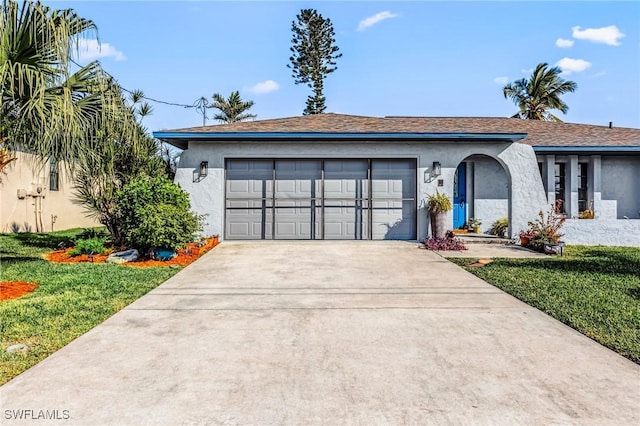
column 180, row 138
column 587, row 149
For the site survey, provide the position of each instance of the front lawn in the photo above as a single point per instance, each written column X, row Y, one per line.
column 70, row 298
column 595, row 290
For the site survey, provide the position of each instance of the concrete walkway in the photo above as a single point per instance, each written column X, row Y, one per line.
column 483, row 251
column 328, row 333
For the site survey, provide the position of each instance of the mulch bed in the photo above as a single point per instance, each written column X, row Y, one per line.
column 15, row 289
column 185, row 256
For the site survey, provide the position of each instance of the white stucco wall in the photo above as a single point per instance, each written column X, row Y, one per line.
column 606, row 232
column 621, row 182
column 207, row 195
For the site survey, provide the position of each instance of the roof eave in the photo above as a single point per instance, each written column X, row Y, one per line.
column 174, row 137
column 595, row 149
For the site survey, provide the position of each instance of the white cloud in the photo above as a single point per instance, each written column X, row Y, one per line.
column 607, row 35
column 569, row 65
column 372, row 20
column 263, row 87
column 526, row 70
column 501, row 80
column 561, row 42
column 89, row 50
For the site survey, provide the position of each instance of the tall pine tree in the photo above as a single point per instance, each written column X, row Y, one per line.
column 314, row 55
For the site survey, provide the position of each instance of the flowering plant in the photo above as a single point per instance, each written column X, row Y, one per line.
column 545, row 229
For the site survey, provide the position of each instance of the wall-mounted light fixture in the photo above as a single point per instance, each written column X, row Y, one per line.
column 436, row 169
column 204, row 169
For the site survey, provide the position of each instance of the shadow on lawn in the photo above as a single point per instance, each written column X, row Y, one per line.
column 589, row 261
column 9, row 258
column 51, row 241
column 634, row 292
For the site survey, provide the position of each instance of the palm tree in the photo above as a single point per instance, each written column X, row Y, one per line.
column 47, row 109
column 232, row 109
column 541, row 93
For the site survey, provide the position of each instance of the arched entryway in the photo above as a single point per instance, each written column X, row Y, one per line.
column 481, row 191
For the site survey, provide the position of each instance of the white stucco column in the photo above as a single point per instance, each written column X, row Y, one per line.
column 527, row 193
column 594, row 182
column 549, row 169
column 571, row 182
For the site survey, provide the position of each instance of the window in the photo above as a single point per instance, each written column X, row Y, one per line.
column 54, row 175
column 560, row 183
column 583, row 203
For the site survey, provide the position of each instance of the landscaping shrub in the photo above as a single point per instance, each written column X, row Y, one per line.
column 86, row 246
column 155, row 213
column 449, row 242
column 88, row 233
column 165, row 226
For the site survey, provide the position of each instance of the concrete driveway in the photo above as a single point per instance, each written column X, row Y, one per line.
column 328, row 333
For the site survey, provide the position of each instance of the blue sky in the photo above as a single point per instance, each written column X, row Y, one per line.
column 399, row 58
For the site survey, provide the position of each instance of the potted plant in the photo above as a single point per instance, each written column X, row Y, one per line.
column 474, row 225
column 545, row 232
column 438, row 205
column 500, row 227
column 525, row 237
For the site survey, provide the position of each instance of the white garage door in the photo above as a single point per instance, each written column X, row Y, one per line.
column 343, row 199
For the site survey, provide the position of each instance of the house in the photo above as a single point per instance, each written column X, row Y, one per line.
column 38, row 197
column 334, row 176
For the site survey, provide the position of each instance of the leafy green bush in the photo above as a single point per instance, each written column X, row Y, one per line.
column 84, row 246
column 164, row 226
column 88, row 233
column 154, row 212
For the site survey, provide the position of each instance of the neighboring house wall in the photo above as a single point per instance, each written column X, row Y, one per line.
column 24, row 176
column 621, row 183
column 527, row 195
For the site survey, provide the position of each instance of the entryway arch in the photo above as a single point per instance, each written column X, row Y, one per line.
column 482, row 191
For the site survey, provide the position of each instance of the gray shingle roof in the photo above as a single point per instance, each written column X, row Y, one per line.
column 540, row 133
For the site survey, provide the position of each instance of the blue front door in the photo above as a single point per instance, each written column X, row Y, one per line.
column 460, row 196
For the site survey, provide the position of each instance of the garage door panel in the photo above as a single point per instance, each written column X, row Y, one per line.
column 249, row 179
column 249, row 224
column 345, row 178
column 393, row 220
column 298, row 221
column 393, row 178
column 346, row 220
column 298, row 178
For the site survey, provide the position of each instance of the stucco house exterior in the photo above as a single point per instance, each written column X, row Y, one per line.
column 38, row 197
column 334, row 176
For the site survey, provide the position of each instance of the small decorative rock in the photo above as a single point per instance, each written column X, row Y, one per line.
column 17, row 348
column 123, row 256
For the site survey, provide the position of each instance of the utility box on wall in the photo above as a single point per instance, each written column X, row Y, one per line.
column 22, row 194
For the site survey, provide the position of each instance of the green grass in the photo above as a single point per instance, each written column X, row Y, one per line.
column 70, row 300
column 595, row 290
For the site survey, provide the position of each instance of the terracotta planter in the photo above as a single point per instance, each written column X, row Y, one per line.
column 524, row 241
